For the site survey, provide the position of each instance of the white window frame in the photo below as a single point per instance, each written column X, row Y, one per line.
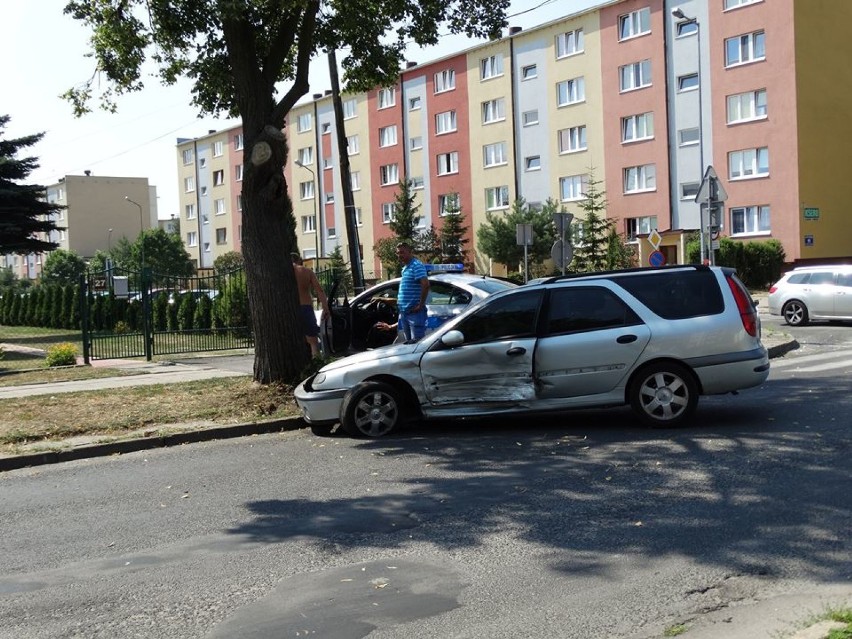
column 687, row 82
column 240, row 208
column 494, row 110
column 529, row 118
column 445, row 80
column 306, row 155
column 218, row 149
column 634, row 24
column 751, row 220
column 746, row 107
column 497, row 198
column 445, row 122
column 634, row 76
column 222, row 235
column 350, row 108
column 749, row 48
column 355, row 180
column 495, row 154
column 688, row 190
column 689, row 136
column 238, row 172
column 640, row 179
column 188, row 156
column 748, row 164
column 325, row 128
column 572, row 139
column 388, row 211
column 387, row 98
column 638, row 127
column 415, row 103
column 417, row 182
column 192, row 238
column 353, row 144
column 529, row 72
column 309, row 224
column 572, row 91
column 387, row 136
column 219, row 177
column 306, row 190
column 305, row 122
column 532, row 163
column 389, row 174
column 189, row 211
column 239, row 142
column 572, row 188
column 415, row 143
column 491, row 67
column 189, row 184
column 641, row 225
column 735, row 4
column 569, row 43
column 448, row 201
column 448, row 163
column 329, row 197
column 328, row 162
column 219, row 206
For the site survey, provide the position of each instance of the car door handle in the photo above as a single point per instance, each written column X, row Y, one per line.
column 516, row 350
column 626, row 339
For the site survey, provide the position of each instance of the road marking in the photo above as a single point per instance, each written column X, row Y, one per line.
column 819, row 357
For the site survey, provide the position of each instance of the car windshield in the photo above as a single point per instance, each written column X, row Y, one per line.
column 492, row 286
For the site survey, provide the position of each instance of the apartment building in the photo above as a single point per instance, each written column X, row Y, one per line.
column 97, row 214
column 640, row 95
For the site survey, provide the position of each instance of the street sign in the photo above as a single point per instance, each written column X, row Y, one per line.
column 656, row 258
column 655, row 238
column 562, row 221
column 811, row 213
column 711, row 188
column 562, row 253
column 524, row 234
column 809, row 240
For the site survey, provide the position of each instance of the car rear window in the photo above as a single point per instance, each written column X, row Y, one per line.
column 492, row 286
column 675, row 294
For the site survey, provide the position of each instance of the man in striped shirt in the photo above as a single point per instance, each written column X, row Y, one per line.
column 411, row 299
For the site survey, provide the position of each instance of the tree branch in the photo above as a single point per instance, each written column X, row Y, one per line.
column 301, row 85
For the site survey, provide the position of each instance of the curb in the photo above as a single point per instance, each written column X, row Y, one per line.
column 147, row 443
column 779, row 350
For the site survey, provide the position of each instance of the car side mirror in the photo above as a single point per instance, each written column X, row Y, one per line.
column 452, row 338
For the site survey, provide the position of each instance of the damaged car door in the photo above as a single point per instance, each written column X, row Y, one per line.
column 487, row 359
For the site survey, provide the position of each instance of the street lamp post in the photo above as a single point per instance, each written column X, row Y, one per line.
column 684, row 19
column 316, row 215
column 141, row 231
column 148, row 338
column 109, row 241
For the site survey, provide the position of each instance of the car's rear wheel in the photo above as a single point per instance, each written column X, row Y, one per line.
column 795, row 313
column 371, row 409
column 664, row 394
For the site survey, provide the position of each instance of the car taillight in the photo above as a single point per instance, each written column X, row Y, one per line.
column 773, row 288
column 748, row 314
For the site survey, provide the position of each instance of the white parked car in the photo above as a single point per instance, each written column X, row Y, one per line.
column 655, row 339
column 813, row 293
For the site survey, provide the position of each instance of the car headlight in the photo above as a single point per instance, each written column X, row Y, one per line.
column 319, row 379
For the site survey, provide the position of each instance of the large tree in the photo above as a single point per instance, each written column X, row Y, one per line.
column 63, row 267
column 24, row 211
column 238, row 53
column 498, row 236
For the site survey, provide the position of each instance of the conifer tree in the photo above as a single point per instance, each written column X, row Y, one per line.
column 454, row 233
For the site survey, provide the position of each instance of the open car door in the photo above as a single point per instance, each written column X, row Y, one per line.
column 336, row 331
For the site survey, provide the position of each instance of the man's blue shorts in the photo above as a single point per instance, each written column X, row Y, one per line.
column 309, row 320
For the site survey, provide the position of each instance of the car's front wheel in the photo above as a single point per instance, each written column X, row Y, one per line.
column 664, row 394
column 795, row 313
column 371, row 409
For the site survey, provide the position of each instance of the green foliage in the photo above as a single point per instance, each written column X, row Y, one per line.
column 230, row 308
column 341, row 272
column 8, row 279
column 759, row 264
column 228, row 262
column 498, row 236
column 63, row 354
column 160, row 311
column 428, row 245
column 63, row 267
column 592, row 246
column 403, row 225
column 120, row 328
column 454, row 234
column 203, row 313
column 74, row 308
column 27, row 215
column 186, row 311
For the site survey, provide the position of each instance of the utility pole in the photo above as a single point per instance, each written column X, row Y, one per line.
column 345, row 178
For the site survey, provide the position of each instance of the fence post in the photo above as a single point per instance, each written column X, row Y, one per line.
column 84, row 318
column 147, row 328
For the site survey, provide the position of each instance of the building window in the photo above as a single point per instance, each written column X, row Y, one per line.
column 688, row 190
column 358, row 219
column 350, row 109
column 637, row 127
column 572, row 140
column 218, row 149
column 238, row 173
column 634, row 24
column 187, row 156
column 448, row 204
column 689, row 137
column 635, row 76
column 532, row 163
column 219, row 177
column 306, row 155
column 205, row 219
column 529, row 72
column 639, row 179
column 220, row 206
column 448, row 163
column 750, row 47
column 445, row 80
column 329, row 197
column 353, row 144
column 415, row 143
column 238, row 142
column 355, row 180
column 192, row 238
column 387, row 97
column 570, row 91
column 569, row 43
column 414, row 103
column 202, row 162
column 530, row 118
column 328, row 162
column 733, row 4
column 387, row 136
column 748, row 163
column 748, row 106
column 688, row 82
column 686, row 29
column 417, row 182
column 325, row 128
column 240, row 207
column 203, row 190
column 750, row 220
column 332, row 232
column 306, row 190
column 497, row 198
column 494, row 154
column 572, row 187
column 305, row 122
column 389, row 174
column 387, row 212
column 493, row 111
column 445, row 122
column 640, row 226
column 491, row 67
column 189, row 184
column 309, row 224
column 189, row 209
column 207, row 247
column 222, row 236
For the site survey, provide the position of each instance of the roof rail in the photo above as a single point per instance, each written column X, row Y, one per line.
column 638, row 269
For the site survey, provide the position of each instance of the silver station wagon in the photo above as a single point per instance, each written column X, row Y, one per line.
column 655, row 339
column 813, row 293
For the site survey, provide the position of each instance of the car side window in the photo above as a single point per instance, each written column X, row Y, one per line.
column 677, row 294
column 386, row 294
column 844, row 279
column 574, row 310
column 442, row 294
column 513, row 316
column 822, row 277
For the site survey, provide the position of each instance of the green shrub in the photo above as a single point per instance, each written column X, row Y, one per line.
column 63, row 354
column 120, row 328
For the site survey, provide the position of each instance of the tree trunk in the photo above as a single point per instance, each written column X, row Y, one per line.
column 280, row 352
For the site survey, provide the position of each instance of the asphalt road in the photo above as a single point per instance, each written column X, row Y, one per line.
column 581, row 525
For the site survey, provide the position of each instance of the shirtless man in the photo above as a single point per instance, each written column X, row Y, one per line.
column 306, row 280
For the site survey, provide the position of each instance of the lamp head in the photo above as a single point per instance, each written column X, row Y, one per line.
column 678, row 13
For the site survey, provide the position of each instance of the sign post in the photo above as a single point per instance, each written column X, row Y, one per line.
column 562, row 252
column 524, row 234
column 711, row 194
